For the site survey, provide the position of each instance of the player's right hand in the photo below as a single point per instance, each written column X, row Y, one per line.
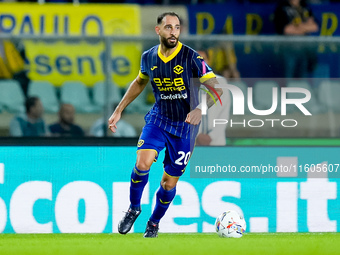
column 115, row 117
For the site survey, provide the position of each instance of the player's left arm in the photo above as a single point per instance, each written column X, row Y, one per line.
column 210, row 85
column 208, row 79
column 194, row 117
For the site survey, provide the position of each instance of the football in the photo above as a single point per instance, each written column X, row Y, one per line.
column 230, row 224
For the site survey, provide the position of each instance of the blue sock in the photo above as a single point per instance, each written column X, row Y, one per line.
column 163, row 200
column 138, row 181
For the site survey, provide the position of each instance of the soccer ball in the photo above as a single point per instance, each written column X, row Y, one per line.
column 230, row 224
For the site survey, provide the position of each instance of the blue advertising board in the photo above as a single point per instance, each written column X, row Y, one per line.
column 73, row 189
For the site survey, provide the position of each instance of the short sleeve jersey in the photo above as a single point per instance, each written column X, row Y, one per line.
column 172, row 80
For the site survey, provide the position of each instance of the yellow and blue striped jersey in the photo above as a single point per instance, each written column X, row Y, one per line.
column 173, row 86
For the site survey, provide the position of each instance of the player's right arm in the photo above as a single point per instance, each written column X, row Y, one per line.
column 135, row 88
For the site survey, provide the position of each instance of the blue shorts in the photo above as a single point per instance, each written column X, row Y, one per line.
column 177, row 153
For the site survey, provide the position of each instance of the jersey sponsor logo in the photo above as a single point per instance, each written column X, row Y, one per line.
column 174, row 96
column 166, row 84
column 171, row 88
column 140, row 143
column 178, row 69
column 199, row 57
column 153, row 68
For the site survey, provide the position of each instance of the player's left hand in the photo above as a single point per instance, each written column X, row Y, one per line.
column 194, row 117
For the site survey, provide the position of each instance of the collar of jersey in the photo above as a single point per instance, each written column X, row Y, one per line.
column 167, row 59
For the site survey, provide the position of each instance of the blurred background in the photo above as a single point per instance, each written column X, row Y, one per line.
column 78, row 58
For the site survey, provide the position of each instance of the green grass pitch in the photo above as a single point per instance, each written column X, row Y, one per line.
column 175, row 244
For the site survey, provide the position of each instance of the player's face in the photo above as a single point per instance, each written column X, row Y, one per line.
column 169, row 31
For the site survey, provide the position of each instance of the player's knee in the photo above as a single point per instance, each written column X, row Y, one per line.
column 168, row 185
column 145, row 159
column 143, row 165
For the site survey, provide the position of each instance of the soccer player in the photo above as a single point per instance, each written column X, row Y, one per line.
column 172, row 121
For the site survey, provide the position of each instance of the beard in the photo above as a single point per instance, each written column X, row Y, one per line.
column 166, row 43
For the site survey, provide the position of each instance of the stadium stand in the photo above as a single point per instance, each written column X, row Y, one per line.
column 75, row 93
column 47, row 94
column 11, row 97
column 329, row 92
column 99, row 92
